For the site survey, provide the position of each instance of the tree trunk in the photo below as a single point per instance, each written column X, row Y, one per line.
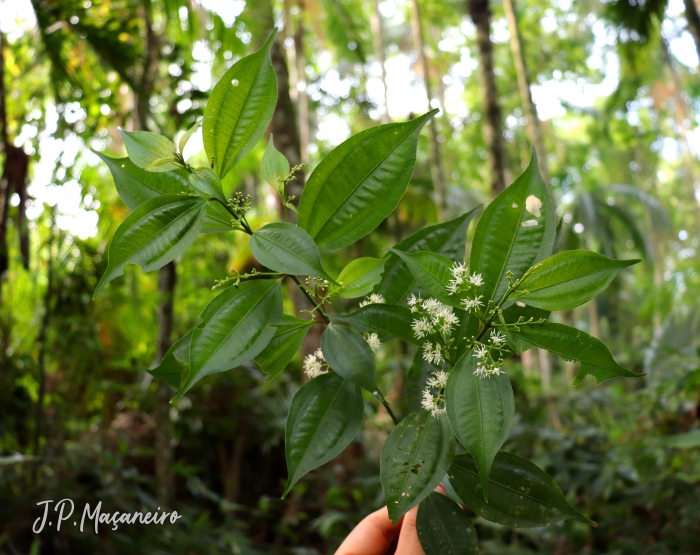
column 534, row 130
column 302, row 96
column 693, row 18
column 379, row 52
column 436, row 171
column 163, row 459
column 480, row 13
column 5, row 189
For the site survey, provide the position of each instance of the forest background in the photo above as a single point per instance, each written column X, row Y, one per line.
column 608, row 93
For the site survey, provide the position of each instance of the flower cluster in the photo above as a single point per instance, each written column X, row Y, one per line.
column 489, row 355
column 374, row 298
column 435, row 402
column 462, row 283
column 315, row 364
column 439, row 318
column 373, row 342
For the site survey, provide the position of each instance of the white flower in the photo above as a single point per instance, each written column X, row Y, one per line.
column 449, row 319
column 497, row 337
column 433, row 307
column 433, row 356
column 373, row 342
column 432, row 403
column 459, row 271
column 422, row 327
column 475, row 279
column 313, row 366
column 319, row 355
column 481, row 371
column 481, row 351
column 471, row 304
column 452, row 288
column 412, row 300
column 374, row 298
column 439, row 379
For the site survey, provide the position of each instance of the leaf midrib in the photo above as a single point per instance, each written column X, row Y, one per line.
column 415, row 454
column 557, row 351
column 263, row 237
column 611, row 268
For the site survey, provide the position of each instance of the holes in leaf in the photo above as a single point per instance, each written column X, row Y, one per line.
column 533, row 205
column 529, row 223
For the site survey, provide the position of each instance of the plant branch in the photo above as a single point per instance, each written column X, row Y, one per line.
column 387, row 406
column 313, row 303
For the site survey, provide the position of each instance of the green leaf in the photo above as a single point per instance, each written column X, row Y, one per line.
column 284, row 247
column 324, row 418
column 239, row 109
column 359, row 183
column 383, row 319
column 274, row 167
column 572, row 344
column 155, row 233
column 360, row 276
column 569, row 279
column 521, row 495
column 238, row 325
column 208, row 184
column 525, row 313
column 505, row 239
column 150, row 151
column 174, row 362
column 481, row 412
column 447, row 239
column 186, row 136
column 289, row 335
column 414, row 459
column 348, row 353
column 135, row 186
column 468, row 327
column 688, row 440
column 444, row 529
column 431, row 271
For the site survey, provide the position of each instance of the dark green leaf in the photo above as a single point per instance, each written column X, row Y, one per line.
column 383, row 319
column 289, row 335
column 238, row 325
column 348, row 353
column 150, row 151
column 414, row 459
column 155, row 233
column 239, row 109
column 284, row 247
column 360, row 276
column 572, row 344
column 431, row 271
column 208, row 184
column 480, row 411
column 325, row 416
column 174, row 362
column 418, row 373
column 447, row 239
column 359, row 183
column 509, row 237
column 444, row 529
column 274, row 167
column 521, row 495
column 569, row 279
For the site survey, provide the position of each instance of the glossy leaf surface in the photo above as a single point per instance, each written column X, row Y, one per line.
column 174, row 362
column 431, row 271
column 347, row 352
column 324, row 418
column 150, row 151
column 444, row 528
column 383, row 319
column 274, row 167
column 284, row 345
column 207, row 184
column 360, row 277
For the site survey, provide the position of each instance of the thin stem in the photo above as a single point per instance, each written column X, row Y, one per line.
column 386, row 404
column 313, row 304
column 242, row 220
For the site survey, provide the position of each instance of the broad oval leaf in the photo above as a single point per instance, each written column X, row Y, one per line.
column 207, row 183
column 431, row 271
column 359, row 183
column 274, row 166
column 150, row 151
column 239, row 109
column 360, row 277
column 324, row 418
column 135, row 186
column 348, row 353
column 447, row 239
column 444, row 528
column 572, row 344
column 175, row 362
column 284, row 247
column 414, row 459
column 289, row 335
column 238, row 325
column 521, row 495
column 155, row 233
column 480, row 411
column 383, row 319
column 515, row 231
column 569, row 279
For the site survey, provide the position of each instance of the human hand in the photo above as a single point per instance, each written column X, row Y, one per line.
column 375, row 534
